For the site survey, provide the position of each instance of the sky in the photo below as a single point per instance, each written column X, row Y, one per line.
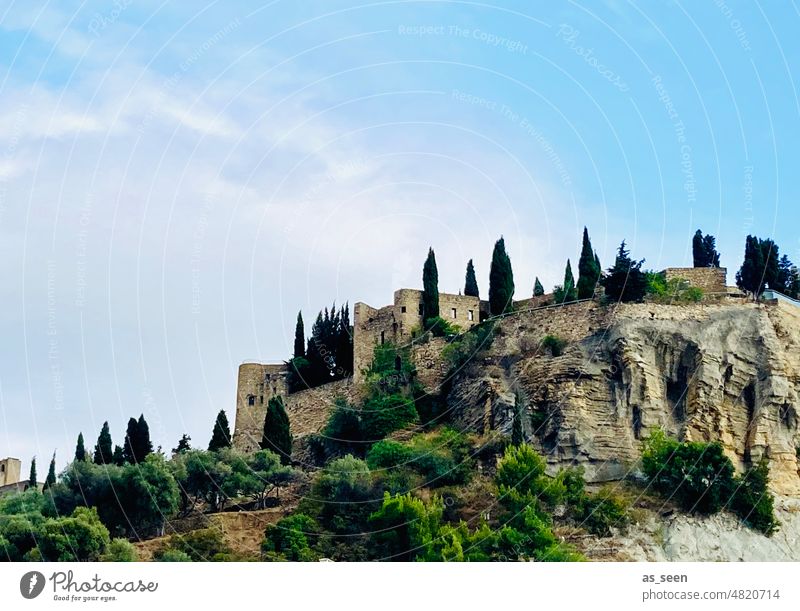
column 178, row 179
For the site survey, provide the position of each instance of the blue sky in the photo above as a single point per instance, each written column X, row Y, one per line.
column 178, row 179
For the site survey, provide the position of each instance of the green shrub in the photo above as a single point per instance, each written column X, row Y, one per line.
column 385, row 414
column 601, row 512
column 200, row 545
column 698, row 476
column 172, row 555
column 121, row 550
column 387, row 454
column 342, row 496
column 291, row 538
column 439, row 327
column 463, row 349
column 753, row 502
column 554, row 344
column 521, row 478
column 404, row 526
column 77, row 538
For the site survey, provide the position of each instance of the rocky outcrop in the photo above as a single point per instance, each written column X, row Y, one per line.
column 707, row 372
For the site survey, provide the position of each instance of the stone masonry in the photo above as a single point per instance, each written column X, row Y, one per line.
column 712, row 280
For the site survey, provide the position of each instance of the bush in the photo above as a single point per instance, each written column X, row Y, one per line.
column 78, row 538
column 676, row 290
column 753, row 502
column 121, row 550
column 172, row 555
column 405, row 526
column 698, row 476
column 601, row 512
column 439, row 327
column 384, row 414
column 388, row 454
column 460, row 351
column 202, row 545
column 554, row 344
column 291, row 538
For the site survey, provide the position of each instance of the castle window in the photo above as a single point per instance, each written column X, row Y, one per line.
column 470, row 314
column 2, row 468
column 251, row 399
column 262, row 399
column 383, row 338
column 421, row 309
column 402, row 309
column 453, row 313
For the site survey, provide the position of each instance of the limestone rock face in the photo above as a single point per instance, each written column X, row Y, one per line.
column 703, row 372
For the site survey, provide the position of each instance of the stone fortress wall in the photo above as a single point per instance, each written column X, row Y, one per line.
column 308, row 410
column 10, row 471
column 712, row 280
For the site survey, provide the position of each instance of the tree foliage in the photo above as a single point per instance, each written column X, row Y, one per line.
column 470, row 282
column 299, row 337
column 588, row 269
column 538, row 289
column 704, row 250
column 103, row 450
column 501, row 280
column 625, row 281
column 277, row 435
column 221, row 436
column 430, row 288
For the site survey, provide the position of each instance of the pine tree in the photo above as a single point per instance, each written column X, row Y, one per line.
column 119, row 456
column 517, row 436
column 103, row 452
column 144, row 446
column 183, row 445
column 51, row 473
column 80, row 449
column 129, row 448
column 221, row 437
column 625, row 281
column 299, row 337
column 588, row 269
column 471, row 283
column 538, row 289
column 33, row 478
column 430, row 288
column 501, row 280
column 277, row 434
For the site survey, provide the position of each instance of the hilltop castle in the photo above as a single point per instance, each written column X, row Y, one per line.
column 395, row 323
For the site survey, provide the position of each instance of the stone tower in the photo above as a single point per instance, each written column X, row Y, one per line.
column 257, row 384
column 9, row 471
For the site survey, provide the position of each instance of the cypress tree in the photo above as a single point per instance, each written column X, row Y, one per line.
column 103, row 452
column 538, row 289
column 567, row 292
column 470, row 283
column 710, row 248
column 129, row 448
column 80, row 449
column 119, row 456
column 344, row 344
column 588, row 269
column 430, row 288
column 143, row 446
column 501, row 280
column 299, row 337
column 750, row 276
column 51, row 473
column 221, row 437
column 698, row 250
column 771, row 271
column 33, row 478
column 277, row 434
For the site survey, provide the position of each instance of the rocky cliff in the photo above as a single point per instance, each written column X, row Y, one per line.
column 727, row 372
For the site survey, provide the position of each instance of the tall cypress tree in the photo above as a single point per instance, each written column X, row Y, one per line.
column 471, row 283
column 221, row 437
column 129, row 448
column 501, row 280
column 103, row 451
column 750, row 276
column 80, row 449
column 33, row 478
column 344, row 344
column 588, row 269
column 704, row 250
column 567, row 292
column 430, row 287
column 144, row 446
column 710, row 248
column 51, row 473
column 299, row 337
column 538, row 289
column 277, row 434
column 119, row 456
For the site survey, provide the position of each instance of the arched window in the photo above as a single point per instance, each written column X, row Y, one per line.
column 251, row 399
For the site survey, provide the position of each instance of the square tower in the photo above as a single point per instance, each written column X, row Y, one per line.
column 10, row 469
